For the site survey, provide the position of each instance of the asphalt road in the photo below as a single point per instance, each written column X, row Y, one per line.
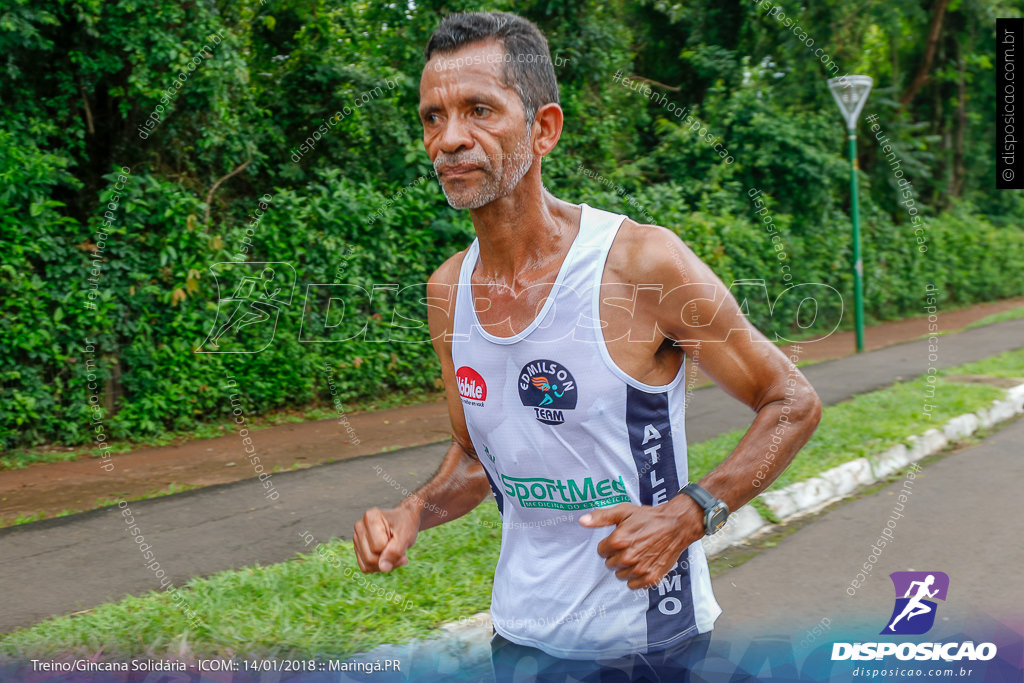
column 63, row 565
column 964, row 516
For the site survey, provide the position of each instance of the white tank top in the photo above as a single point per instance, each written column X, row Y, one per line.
column 561, row 430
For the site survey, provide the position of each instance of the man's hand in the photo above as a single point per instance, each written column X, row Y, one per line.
column 648, row 540
column 383, row 536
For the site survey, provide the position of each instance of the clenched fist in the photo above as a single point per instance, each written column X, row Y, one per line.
column 383, row 536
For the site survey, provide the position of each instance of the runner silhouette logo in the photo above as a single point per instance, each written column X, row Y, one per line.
column 250, row 298
column 916, row 592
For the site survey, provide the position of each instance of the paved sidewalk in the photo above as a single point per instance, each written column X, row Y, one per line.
column 72, row 563
column 964, row 517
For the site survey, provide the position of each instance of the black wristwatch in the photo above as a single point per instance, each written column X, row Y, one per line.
column 716, row 512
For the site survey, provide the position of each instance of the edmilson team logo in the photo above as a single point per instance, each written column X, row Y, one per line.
column 916, row 592
column 472, row 387
column 549, row 388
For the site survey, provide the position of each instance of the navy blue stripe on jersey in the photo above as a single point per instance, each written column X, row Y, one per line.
column 497, row 494
column 670, row 606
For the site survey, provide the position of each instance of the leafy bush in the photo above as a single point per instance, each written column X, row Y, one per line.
column 107, row 322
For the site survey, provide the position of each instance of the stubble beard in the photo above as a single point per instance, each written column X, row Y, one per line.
column 514, row 168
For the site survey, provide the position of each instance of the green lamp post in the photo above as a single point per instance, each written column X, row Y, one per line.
column 850, row 93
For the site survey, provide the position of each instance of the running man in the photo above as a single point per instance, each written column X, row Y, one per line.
column 915, row 606
column 554, row 293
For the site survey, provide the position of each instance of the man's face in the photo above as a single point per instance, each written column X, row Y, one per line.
column 474, row 128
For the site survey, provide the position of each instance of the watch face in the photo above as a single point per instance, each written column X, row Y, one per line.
column 717, row 517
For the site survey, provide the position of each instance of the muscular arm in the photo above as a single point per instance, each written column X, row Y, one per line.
column 459, row 485
column 699, row 310
column 695, row 310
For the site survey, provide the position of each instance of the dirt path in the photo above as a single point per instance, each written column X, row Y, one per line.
column 52, row 487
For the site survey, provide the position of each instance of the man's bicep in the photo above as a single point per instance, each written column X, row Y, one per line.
column 703, row 314
column 740, row 360
column 696, row 308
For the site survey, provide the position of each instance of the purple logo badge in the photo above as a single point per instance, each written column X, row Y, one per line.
column 916, row 592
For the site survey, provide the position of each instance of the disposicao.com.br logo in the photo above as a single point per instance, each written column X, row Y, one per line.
column 919, row 591
column 914, row 614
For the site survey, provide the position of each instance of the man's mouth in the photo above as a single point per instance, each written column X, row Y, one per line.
column 457, row 170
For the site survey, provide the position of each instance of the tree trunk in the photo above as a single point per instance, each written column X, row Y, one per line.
column 894, row 57
column 956, row 181
column 922, row 75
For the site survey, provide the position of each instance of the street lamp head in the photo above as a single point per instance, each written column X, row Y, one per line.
column 850, row 93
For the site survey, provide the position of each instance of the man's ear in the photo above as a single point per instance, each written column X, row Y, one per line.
column 547, row 126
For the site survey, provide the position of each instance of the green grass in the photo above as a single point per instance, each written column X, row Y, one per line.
column 307, row 607
column 870, row 423
column 1011, row 314
column 1009, row 364
column 34, row 517
column 23, row 519
column 170, row 489
column 865, row 425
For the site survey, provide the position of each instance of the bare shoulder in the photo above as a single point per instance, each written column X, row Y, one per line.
column 652, row 255
column 448, row 272
column 443, row 283
column 441, row 290
column 690, row 297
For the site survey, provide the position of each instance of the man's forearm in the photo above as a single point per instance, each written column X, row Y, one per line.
column 779, row 431
column 458, row 486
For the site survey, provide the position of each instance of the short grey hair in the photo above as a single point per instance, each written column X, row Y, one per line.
column 527, row 66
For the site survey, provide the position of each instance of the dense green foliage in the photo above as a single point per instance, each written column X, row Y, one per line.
column 82, row 77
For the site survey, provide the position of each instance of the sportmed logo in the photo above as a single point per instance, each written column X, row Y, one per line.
column 570, row 494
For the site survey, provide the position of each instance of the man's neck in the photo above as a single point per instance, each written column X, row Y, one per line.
column 525, row 235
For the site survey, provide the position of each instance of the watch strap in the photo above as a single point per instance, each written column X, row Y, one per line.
column 699, row 494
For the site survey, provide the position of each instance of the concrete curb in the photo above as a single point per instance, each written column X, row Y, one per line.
column 811, row 495
column 465, row 644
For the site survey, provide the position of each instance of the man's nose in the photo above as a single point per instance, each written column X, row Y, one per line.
column 455, row 136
